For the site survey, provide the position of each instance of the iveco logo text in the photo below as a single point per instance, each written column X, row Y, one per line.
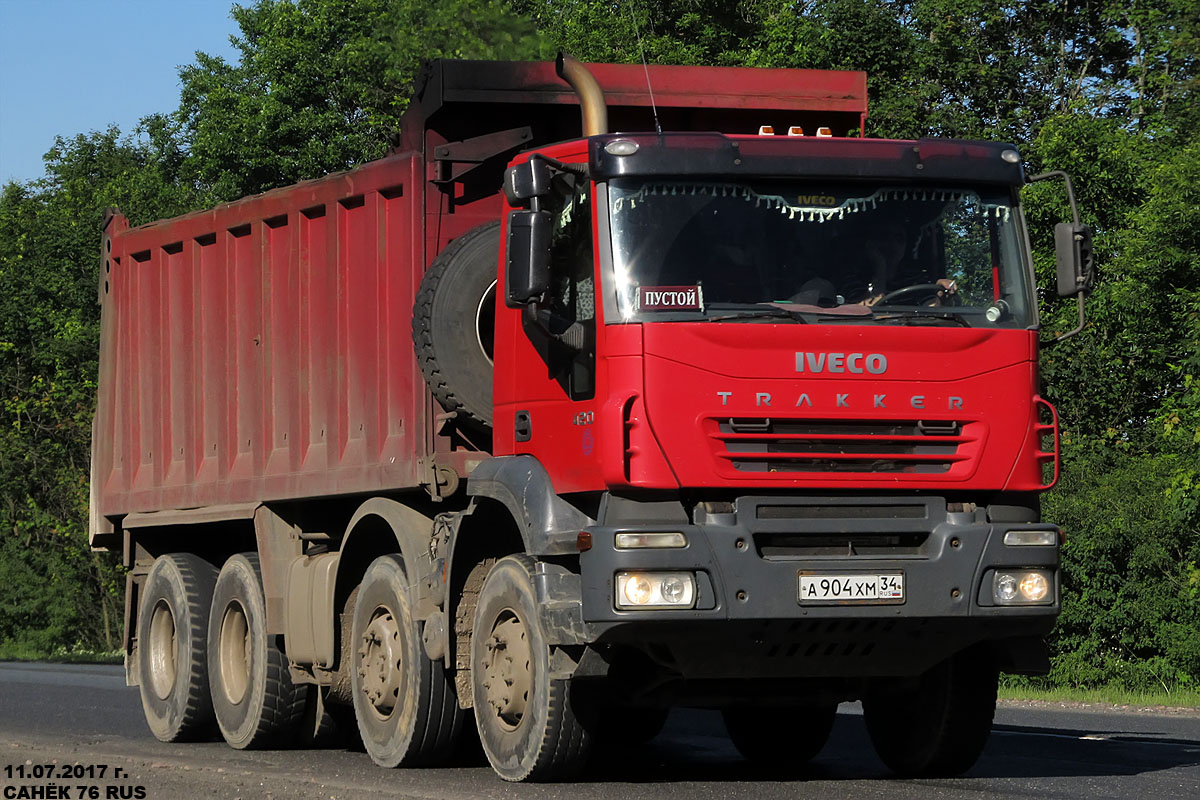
column 874, row 363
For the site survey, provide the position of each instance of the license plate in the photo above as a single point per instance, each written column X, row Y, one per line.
column 833, row 588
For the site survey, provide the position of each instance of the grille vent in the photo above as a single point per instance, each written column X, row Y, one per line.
column 930, row 447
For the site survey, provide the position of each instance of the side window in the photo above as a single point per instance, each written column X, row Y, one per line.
column 573, row 293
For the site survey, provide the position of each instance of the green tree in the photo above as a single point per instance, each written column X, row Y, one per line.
column 320, row 85
column 54, row 591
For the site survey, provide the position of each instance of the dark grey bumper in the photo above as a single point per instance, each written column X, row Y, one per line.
column 747, row 565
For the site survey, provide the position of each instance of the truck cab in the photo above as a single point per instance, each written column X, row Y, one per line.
column 794, row 381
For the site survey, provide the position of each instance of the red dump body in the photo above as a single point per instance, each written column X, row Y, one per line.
column 262, row 350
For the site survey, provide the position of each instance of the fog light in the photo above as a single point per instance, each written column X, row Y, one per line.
column 655, row 590
column 673, row 590
column 1022, row 587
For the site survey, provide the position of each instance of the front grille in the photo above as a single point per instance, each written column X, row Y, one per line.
column 928, row 447
column 841, row 545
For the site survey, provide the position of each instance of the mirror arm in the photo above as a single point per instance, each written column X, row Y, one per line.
column 561, row 166
column 1058, row 173
column 574, row 337
column 1073, row 331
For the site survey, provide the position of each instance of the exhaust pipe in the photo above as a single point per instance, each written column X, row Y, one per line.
column 591, row 98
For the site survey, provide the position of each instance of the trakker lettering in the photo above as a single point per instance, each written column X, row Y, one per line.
column 670, row 298
column 856, row 363
column 847, row 400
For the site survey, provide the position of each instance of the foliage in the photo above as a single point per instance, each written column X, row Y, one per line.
column 1105, row 89
column 1131, row 599
column 320, row 84
column 48, row 333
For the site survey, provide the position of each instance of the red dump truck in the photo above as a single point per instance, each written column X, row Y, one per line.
column 562, row 431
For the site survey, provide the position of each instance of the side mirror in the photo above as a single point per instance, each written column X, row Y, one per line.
column 527, row 276
column 526, row 181
column 1073, row 253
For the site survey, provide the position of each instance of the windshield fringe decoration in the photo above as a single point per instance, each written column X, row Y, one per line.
column 805, row 213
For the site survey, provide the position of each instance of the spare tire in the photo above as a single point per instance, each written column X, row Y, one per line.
column 454, row 323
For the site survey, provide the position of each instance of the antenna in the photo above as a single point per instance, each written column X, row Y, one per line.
column 642, row 52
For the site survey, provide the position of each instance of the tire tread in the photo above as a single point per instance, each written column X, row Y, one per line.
column 423, row 337
column 197, row 579
column 283, row 701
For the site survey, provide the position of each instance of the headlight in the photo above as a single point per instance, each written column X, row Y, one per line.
column 655, row 590
column 1023, row 587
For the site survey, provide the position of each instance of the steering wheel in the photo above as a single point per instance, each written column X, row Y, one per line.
column 918, row 294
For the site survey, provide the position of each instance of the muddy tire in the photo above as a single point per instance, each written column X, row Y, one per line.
column 172, row 633
column 780, row 736
column 257, row 705
column 454, row 322
column 405, row 704
column 527, row 723
column 940, row 729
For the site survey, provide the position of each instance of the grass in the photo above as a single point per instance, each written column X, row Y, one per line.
column 18, row 651
column 1111, row 696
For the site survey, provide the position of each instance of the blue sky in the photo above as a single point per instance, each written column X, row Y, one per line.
column 73, row 66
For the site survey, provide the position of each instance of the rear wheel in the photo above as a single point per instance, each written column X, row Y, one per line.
column 783, row 736
column 256, row 703
column 527, row 722
column 405, row 703
column 171, row 636
column 940, row 728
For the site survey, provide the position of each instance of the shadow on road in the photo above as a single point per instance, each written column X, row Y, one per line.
column 694, row 749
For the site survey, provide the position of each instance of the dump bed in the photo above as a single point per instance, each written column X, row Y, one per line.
column 262, row 350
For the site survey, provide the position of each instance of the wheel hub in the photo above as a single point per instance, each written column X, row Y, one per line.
column 380, row 665
column 234, row 654
column 162, row 647
column 508, row 670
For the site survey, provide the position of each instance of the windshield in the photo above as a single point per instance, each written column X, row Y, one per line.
column 818, row 252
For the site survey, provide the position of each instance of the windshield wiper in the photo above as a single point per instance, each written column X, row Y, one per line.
column 761, row 313
column 920, row 317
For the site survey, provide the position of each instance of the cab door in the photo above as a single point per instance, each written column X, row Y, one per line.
column 545, row 391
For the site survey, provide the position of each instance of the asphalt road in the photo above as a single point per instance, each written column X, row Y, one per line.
column 82, row 718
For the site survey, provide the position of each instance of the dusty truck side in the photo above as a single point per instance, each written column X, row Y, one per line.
column 637, row 431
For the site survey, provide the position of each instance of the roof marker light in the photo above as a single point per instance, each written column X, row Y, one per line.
column 621, row 147
column 825, row 133
column 795, row 130
column 766, row 130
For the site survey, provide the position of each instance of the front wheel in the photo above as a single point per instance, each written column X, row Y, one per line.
column 526, row 720
column 940, row 728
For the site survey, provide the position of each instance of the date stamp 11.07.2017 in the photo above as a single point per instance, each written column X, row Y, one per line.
column 57, row 781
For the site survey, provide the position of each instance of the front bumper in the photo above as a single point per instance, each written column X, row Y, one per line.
column 747, row 618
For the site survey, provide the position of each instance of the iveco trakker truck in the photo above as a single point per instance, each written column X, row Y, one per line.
column 547, row 433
